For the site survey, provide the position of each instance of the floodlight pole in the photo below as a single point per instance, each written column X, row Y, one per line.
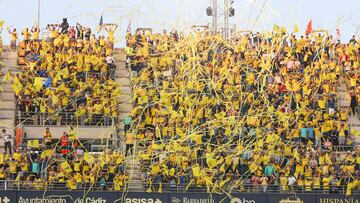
column 214, row 16
column 226, row 18
column 38, row 14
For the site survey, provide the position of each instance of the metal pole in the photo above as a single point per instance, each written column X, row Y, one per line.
column 226, row 19
column 38, row 14
column 214, row 16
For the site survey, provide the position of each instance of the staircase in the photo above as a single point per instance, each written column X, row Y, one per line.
column 134, row 173
column 122, row 77
column 7, row 98
column 344, row 99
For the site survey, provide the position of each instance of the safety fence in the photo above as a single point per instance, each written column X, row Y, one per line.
column 63, row 118
column 166, row 187
column 45, row 196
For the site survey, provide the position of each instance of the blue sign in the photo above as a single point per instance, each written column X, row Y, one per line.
column 7, row 196
column 20, row 196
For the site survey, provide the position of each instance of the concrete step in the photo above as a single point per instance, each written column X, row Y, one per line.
column 125, row 98
column 9, row 63
column 136, row 176
column 125, row 90
column 9, row 56
column 121, row 73
column 125, row 82
column 7, row 104
column 7, row 123
column 125, row 107
column 119, row 55
column 7, row 96
column 7, row 112
column 134, row 167
column 6, row 115
column 7, row 89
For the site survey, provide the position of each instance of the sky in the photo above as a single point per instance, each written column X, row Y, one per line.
column 257, row 15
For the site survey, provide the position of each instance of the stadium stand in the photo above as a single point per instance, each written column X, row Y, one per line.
column 26, row 72
column 33, row 114
column 63, row 68
column 258, row 113
column 255, row 113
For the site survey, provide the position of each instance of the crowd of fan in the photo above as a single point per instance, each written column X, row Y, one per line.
column 68, row 77
column 259, row 109
column 61, row 165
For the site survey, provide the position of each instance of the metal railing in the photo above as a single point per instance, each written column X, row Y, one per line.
column 166, row 187
column 63, row 118
column 56, row 186
column 89, row 145
column 249, row 188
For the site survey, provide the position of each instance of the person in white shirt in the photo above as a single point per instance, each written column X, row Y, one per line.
column 7, row 140
column 291, row 182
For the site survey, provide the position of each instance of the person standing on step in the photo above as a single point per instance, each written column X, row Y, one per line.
column 353, row 101
column 129, row 141
column 127, row 123
column 7, row 141
column 13, row 36
column 47, row 138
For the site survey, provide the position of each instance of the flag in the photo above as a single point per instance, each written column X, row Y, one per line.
column 276, row 28
column 89, row 158
column 48, row 82
column 7, row 76
column 129, row 27
column 100, row 23
column 296, row 155
column 309, row 28
column 39, row 83
column 66, row 166
column 33, row 144
column 46, row 153
column 337, row 32
column 327, row 159
column 296, row 28
column 196, row 171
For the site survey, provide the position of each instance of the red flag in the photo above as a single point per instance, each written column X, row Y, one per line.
column 309, row 28
column 337, row 32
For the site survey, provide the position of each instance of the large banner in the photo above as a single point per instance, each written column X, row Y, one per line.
column 13, row 196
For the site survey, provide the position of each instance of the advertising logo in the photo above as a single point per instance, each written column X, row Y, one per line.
column 191, row 200
column 4, row 199
column 339, row 200
column 175, row 200
column 142, row 200
column 296, row 200
column 243, row 200
column 90, row 200
column 41, row 200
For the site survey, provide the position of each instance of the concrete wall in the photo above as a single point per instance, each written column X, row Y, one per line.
column 81, row 132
